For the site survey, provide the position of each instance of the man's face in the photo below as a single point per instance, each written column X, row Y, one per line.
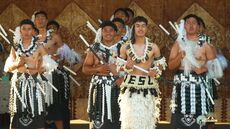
column 40, row 21
column 121, row 14
column 130, row 20
column 53, row 27
column 140, row 29
column 120, row 27
column 191, row 26
column 27, row 31
column 108, row 34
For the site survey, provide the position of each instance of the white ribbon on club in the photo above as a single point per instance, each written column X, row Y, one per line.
column 171, row 24
column 71, row 71
column 3, row 31
column 164, row 29
column 90, row 26
column 3, row 36
column 11, row 31
column 99, row 20
column 75, row 81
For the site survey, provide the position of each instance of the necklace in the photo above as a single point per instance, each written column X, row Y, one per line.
column 135, row 57
column 27, row 51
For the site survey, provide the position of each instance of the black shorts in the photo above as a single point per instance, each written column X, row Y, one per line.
column 187, row 121
column 26, row 121
column 57, row 111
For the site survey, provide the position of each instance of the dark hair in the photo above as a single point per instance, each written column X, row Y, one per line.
column 122, row 10
column 41, row 12
column 119, row 20
column 140, row 19
column 108, row 23
column 193, row 16
column 53, row 22
column 27, row 22
column 129, row 10
column 201, row 21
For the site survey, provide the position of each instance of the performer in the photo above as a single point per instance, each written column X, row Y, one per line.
column 139, row 98
column 120, row 24
column 196, row 64
column 51, row 42
column 124, row 15
column 67, row 57
column 131, row 16
column 103, row 108
column 27, row 60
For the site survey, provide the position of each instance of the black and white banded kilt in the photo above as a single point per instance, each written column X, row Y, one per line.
column 27, row 100
column 191, row 93
column 192, row 97
column 103, row 108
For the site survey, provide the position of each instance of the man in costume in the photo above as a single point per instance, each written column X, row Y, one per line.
column 67, row 57
column 27, row 60
column 195, row 63
column 139, row 98
column 51, row 42
column 103, row 108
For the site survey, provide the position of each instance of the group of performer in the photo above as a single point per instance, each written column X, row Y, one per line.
column 40, row 63
column 125, row 66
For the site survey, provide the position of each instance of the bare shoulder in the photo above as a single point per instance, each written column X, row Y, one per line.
column 210, row 51
column 208, row 45
column 125, row 46
column 174, row 50
column 55, row 34
column 154, row 46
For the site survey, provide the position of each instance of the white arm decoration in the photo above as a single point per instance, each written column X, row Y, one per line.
column 69, row 55
column 159, row 63
column 8, row 63
column 48, row 63
column 223, row 61
column 215, row 69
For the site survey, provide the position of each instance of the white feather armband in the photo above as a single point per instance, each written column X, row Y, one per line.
column 49, row 64
column 158, row 65
column 8, row 63
column 223, row 61
column 215, row 69
column 69, row 55
column 160, row 62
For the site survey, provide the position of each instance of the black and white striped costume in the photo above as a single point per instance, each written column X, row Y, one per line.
column 103, row 108
column 192, row 96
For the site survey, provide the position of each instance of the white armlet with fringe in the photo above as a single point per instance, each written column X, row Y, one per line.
column 69, row 55
column 49, row 64
column 159, row 65
column 8, row 63
column 215, row 69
